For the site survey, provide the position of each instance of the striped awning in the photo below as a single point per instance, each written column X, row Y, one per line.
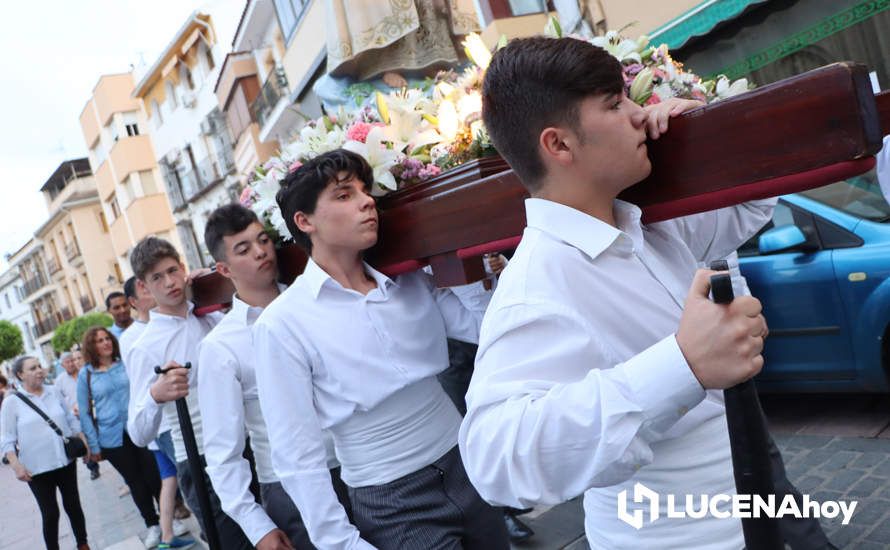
column 699, row 21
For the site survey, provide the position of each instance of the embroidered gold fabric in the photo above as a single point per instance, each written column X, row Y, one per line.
column 369, row 37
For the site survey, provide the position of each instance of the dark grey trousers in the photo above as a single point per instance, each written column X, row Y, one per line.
column 284, row 513
column 230, row 534
column 433, row 508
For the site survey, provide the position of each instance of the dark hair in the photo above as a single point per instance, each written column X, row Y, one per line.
column 111, row 296
column 224, row 222
column 3, row 381
column 90, row 353
column 148, row 252
column 130, row 288
column 19, row 365
column 301, row 188
column 533, row 83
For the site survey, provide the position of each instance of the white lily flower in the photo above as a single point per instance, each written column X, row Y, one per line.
column 624, row 49
column 379, row 156
column 725, row 89
column 477, row 51
column 408, row 130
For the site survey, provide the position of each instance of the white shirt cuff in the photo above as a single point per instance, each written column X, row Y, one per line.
column 256, row 524
column 663, row 384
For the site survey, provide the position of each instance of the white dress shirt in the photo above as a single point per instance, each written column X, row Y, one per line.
column 40, row 449
column 129, row 337
column 125, row 342
column 229, row 403
column 364, row 367
column 580, row 386
column 67, row 386
column 166, row 338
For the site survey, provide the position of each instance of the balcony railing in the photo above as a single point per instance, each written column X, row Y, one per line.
column 72, row 251
column 45, row 326
column 53, row 266
column 87, row 303
column 66, row 314
column 274, row 88
column 35, row 283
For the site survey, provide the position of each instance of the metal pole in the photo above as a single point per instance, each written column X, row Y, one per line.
column 748, row 440
column 196, row 467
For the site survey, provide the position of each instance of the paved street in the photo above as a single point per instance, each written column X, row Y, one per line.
column 835, row 448
column 113, row 522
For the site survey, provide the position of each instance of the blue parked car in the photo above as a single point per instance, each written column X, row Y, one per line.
column 821, row 269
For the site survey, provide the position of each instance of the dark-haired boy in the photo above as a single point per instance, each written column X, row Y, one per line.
column 601, row 354
column 227, row 390
column 350, row 350
column 170, row 340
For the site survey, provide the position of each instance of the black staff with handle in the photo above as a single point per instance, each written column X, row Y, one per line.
column 196, row 467
column 748, row 439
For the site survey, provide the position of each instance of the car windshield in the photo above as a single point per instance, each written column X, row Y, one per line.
column 859, row 196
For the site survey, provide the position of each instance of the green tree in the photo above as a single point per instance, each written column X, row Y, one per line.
column 71, row 332
column 11, row 343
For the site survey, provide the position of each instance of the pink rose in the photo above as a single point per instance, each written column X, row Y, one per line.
column 295, row 165
column 653, row 99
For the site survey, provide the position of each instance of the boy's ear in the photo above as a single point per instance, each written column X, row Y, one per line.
column 557, row 145
column 301, row 220
column 223, row 269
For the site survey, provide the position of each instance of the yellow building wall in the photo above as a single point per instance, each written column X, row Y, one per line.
column 104, row 180
column 309, row 38
column 120, row 235
column 88, row 125
column 149, row 215
column 131, row 155
column 96, row 249
column 112, row 95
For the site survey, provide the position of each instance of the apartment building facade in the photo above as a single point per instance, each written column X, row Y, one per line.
column 77, row 248
column 130, row 188
column 193, row 145
column 14, row 308
column 69, row 266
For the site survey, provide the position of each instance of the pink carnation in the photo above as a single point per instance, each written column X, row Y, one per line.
column 359, row 130
column 246, row 197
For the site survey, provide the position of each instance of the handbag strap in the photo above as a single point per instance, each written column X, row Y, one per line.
column 90, row 398
column 42, row 414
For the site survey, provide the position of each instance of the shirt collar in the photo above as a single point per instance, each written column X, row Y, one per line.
column 316, row 277
column 154, row 314
column 582, row 231
column 245, row 312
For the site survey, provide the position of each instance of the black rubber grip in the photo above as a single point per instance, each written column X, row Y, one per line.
column 721, row 288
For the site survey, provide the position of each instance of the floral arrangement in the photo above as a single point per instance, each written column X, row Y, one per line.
column 413, row 134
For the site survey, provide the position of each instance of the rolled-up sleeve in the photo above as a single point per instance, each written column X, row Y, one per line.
column 550, row 415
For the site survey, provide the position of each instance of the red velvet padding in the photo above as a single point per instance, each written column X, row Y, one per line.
column 758, row 190
column 407, row 266
column 489, row 248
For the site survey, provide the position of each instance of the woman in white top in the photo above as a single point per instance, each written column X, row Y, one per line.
column 36, row 452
